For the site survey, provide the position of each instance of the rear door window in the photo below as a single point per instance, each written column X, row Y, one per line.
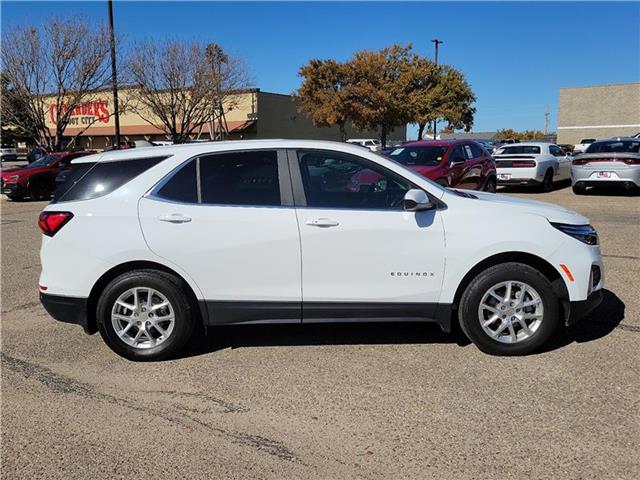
column 240, row 178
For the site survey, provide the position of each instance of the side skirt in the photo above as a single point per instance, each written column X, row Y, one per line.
column 258, row 312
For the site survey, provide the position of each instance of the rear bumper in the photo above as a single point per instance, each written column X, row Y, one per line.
column 617, row 175
column 67, row 309
column 582, row 308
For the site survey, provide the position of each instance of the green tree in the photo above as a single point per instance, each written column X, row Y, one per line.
column 506, row 133
column 322, row 94
column 378, row 89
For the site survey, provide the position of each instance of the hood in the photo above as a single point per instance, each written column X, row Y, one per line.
column 424, row 170
column 21, row 171
column 553, row 213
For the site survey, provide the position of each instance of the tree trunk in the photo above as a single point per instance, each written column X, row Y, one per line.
column 421, row 127
column 383, row 136
column 343, row 132
column 59, row 139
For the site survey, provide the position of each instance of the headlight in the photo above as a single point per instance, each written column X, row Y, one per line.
column 585, row 233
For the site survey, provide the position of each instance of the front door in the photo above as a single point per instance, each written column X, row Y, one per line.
column 227, row 219
column 363, row 255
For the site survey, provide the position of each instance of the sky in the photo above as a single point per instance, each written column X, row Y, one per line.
column 515, row 55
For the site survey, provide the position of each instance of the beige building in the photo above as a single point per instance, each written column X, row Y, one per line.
column 598, row 112
column 250, row 114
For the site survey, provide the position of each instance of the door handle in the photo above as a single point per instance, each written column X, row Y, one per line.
column 322, row 222
column 174, row 218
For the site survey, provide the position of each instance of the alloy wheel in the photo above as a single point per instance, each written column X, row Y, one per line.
column 142, row 317
column 511, row 312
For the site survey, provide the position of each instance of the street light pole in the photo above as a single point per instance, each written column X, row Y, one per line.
column 114, row 80
column 436, row 42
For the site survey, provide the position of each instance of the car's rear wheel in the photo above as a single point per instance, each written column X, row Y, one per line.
column 509, row 309
column 547, row 181
column 145, row 315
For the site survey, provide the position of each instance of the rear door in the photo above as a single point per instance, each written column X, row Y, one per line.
column 227, row 219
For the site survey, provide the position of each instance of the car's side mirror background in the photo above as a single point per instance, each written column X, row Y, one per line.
column 416, row 200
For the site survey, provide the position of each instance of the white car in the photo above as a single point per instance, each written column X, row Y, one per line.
column 146, row 245
column 370, row 143
column 534, row 163
column 583, row 145
column 8, row 154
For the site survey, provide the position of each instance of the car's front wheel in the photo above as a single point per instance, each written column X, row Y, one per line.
column 509, row 309
column 145, row 315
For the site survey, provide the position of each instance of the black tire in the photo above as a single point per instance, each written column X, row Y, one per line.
column 176, row 293
column 547, row 182
column 470, row 302
column 579, row 189
column 490, row 186
column 14, row 198
column 39, row 191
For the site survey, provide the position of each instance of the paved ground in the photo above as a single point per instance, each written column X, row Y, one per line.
column 382, row 401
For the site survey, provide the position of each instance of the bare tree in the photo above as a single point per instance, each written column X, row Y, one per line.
column 52, row 71
column 181, row 87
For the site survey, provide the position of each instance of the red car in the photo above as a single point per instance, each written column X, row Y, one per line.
column 37, row 179
column 452, row 163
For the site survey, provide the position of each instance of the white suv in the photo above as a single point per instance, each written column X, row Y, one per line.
column 145, row 245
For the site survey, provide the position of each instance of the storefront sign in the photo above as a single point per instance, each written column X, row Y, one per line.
column 86, row 113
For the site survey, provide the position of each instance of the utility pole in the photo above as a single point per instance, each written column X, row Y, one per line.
column 437, row 43
column 114, row 80
column 546, row 121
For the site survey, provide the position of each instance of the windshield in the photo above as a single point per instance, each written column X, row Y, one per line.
column 615, row 146
column 42, row 162
column 424, row 155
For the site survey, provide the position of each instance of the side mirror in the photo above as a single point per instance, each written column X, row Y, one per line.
column 416, row 200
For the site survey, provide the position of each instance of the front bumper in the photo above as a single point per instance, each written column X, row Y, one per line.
column 582, row 308
column 11, row 189
column 67, row 310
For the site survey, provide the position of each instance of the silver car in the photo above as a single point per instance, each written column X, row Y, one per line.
column 613, row 162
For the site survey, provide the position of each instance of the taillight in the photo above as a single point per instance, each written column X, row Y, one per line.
column 631, row 161
column 578, row 161
column 523, row 164
column 51, row 222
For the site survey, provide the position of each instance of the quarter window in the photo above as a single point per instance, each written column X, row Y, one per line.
column 337, row 180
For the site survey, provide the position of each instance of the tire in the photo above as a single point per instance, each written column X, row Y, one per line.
column 165, row 288
column 578, row 189
column 547, row 182
column 540, row 328
column 38, row 191
column 14, row 198
column 490, row 185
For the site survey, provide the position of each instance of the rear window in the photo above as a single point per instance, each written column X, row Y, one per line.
column 426, row 155
column 92, row 180
column 519, row 150
column 615, row 146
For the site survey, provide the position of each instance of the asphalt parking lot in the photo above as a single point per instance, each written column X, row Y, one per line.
column 373, row 401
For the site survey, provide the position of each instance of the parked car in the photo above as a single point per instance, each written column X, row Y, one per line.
column 37, row 179
column 451, row 163
column 8, row 153
column 488, row 145
column 535, row 163
column 35, row 153
column 614, row 162
column 371, row 143
column 583, row 145
column 272, row 229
